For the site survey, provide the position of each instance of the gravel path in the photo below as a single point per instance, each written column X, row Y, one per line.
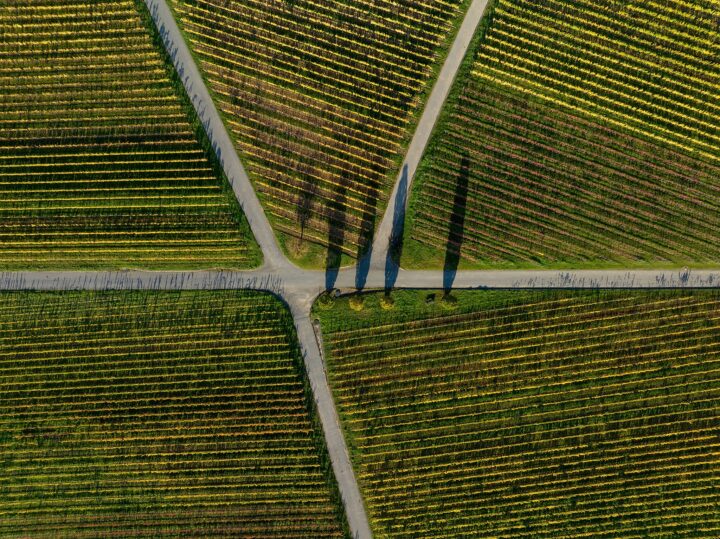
column 301, row 287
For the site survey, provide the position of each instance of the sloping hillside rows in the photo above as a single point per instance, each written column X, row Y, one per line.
column 102, row 161
column 581, row 134
column 320, row 97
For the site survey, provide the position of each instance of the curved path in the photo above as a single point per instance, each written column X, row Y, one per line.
column 299, row 288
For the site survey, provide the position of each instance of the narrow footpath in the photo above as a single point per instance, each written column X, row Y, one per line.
column 297, row 287
column 391, row 223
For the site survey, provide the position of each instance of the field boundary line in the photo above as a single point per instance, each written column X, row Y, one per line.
column 222, row 144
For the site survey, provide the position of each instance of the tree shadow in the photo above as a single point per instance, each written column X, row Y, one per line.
column 367, row 232
column 456, row 230
column 307, row 193
column 392, row 262
column 336, row 235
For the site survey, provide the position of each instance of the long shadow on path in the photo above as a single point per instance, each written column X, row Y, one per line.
column 456, row 231
column 392, row 262
column 307, row 194
column 367, row 231
column 336, row 236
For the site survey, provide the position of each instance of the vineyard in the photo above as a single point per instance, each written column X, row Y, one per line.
column 320, row 97
column 581, row 134
column 158, row 413
column 532, row 414
column 102, row 163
